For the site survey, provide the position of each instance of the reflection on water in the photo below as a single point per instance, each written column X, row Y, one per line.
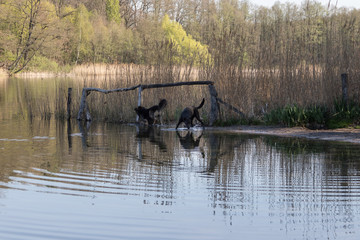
column 77, row 180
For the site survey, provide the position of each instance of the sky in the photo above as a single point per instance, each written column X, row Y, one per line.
column 340, row 3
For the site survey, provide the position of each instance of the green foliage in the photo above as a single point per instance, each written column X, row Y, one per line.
column 185, row 49
column 344, row 114
column 113, row 11
column 111, row 42
column 291, row 115
column 339, row 116
column 85, row 30
column 42, row 64
column 6, row 57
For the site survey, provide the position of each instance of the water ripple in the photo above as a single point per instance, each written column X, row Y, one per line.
column 80, row 184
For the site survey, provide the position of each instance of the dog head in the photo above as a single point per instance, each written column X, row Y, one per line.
column 140, row 110
column 162, row 104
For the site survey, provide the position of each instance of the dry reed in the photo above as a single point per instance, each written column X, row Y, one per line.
column 254, row 92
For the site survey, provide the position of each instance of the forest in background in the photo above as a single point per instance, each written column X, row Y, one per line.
column 259, row 58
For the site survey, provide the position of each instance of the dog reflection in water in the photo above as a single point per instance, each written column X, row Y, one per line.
column 152, row 134
column 189, row 141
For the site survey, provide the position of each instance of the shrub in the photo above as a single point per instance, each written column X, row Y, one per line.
column 42, row 64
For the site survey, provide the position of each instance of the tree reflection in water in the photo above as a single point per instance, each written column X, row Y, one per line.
column 247, row 183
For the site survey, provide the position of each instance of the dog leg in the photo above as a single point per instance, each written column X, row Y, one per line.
column 177, row 125
column 188, row 123
column 197, row 116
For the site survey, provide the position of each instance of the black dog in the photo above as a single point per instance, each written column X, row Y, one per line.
column 148, row 114
column 188, row 115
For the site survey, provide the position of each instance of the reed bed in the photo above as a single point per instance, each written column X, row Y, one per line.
column 254, row 92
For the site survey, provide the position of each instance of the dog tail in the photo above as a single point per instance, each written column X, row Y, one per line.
column 201, row 104
column 162, row 104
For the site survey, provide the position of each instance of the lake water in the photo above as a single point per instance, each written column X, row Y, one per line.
column 71, row 180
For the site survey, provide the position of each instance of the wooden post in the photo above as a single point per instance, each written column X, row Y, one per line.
column 214, row 111
column 87, row 112
column 83, row 106
column 344, row 81
column 139, row 101
column 69, row 104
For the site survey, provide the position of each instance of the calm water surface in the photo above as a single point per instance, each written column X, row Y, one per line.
column 70, row 180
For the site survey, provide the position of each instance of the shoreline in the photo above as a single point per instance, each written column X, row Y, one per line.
column 349, row 135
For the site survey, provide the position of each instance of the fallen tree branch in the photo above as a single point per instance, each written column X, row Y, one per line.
column 231, row 107
column 161, row 85
column 87, row 91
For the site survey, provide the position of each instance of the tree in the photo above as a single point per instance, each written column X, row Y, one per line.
column 113, row 11
column 83, row 33
column 31, row 23
column 185, row 49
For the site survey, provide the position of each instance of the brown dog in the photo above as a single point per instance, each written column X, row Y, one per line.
column 148, row 114
column 189, row 113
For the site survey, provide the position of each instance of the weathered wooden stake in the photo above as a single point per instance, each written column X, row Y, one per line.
column 214, row 110
column 344, row 81
column 83, row 106
column 87, row 112
column 69, row 104
column 139, row 101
